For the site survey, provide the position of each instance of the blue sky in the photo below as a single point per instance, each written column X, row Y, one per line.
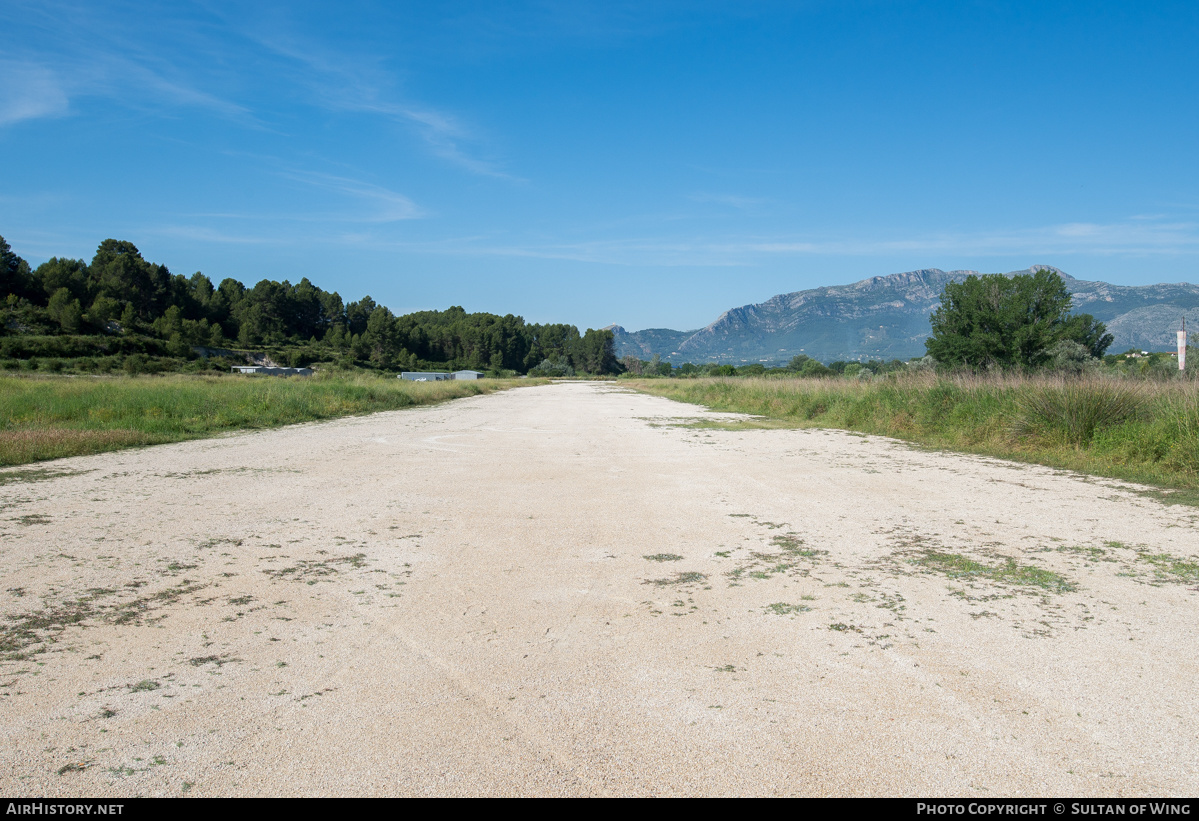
column 643, row 164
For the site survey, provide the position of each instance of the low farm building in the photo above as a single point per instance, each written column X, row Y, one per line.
column 439, row 376
column 268, row 371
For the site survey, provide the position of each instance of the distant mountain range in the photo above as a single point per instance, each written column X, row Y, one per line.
column 887, row 318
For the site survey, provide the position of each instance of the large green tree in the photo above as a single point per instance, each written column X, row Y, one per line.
column 595, row 352
column 14, row 271
column 995, row 320
column 119, row 272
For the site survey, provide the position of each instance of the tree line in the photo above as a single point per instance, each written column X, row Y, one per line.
column 119, row 296
column 119, row 307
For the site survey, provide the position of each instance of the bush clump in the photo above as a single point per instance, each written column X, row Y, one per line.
column 552, row 367
column 1075, row 411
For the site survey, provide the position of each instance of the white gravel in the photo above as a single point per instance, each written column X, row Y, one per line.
column 456, row 601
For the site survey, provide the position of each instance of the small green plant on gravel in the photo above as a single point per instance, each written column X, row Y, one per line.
column 794, row 546
column 956, row 566
column 1169, row 568
column 219, row 661
column 663, row 557
column 678, row 578
column 32, row 628
column 311, row 570
column 1089, row 552
column 145, row 685
column 784, row 609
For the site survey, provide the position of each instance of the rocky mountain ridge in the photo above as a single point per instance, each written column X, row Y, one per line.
column 887, row 317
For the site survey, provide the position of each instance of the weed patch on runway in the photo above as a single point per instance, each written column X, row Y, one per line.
column 785, row 609
column 310, row 571
column 782, row 554
column 678, row 579
column 1136, row 562
column 27, row 634
column 10, row 477
column 1008, row 572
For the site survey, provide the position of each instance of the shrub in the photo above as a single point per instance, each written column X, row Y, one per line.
column 136, row 363
column 1074, row 411
column 1069, row 357
column 549, row 367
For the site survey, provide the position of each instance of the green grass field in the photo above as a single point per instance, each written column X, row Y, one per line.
column 1138, row 430
column 51, row 417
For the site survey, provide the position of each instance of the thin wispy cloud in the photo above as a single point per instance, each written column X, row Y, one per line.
column 1134, row 237
column 359, row 83
column 29, row 91
column 373, row 205
column 383, row 205
column 99, row 56
column 345, row 201
column 733, row 200
column 159, row 88
column 445, row 136
column 199, row 67
column 210, row 235
column 1130, row 238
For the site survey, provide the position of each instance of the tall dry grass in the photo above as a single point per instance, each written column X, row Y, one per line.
column 1146, row 431
column 52, row 417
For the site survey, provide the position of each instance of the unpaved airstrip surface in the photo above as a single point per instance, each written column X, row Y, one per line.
column 565, row 590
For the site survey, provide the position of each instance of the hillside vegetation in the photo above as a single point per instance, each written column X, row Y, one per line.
column 120, row 312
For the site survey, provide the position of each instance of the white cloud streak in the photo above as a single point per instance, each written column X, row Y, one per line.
column 378, row 206
column 29, row 91
column 733, row 200
column 358, row 83
column 1134, row 237
column 97, row 55
column 194, row 65
column 384, row 205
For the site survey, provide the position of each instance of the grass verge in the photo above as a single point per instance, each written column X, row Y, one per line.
column 53, row 417
column 1139, row 431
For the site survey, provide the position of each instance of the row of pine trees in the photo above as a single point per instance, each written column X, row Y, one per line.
column 119, row 293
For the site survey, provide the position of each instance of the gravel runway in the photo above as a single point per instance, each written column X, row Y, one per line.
column 573, row 590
